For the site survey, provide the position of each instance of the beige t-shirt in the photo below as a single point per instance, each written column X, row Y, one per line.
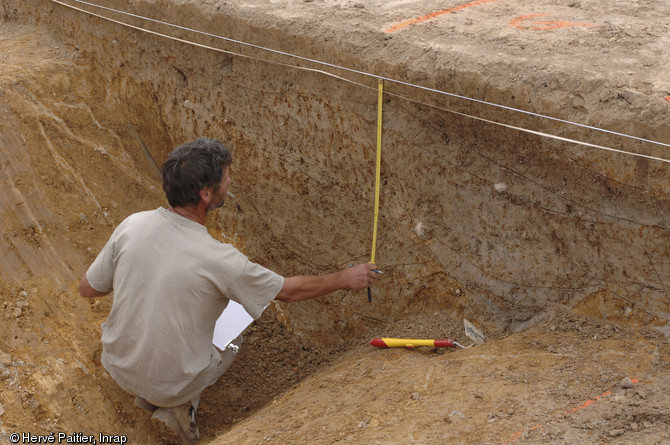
column 171, row 282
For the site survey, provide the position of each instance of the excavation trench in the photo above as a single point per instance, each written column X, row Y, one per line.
column 476, row 220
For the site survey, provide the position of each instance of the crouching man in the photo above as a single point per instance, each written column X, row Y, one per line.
column 171, row 282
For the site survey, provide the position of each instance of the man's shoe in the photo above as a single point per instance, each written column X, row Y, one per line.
column 177, row 423
column 143, row 404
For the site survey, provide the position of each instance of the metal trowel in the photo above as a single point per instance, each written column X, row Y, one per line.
column 473, row 334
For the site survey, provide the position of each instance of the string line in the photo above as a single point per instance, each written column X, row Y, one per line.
column 382, row 78
column 364, row 73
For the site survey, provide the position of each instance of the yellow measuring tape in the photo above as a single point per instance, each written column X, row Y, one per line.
column 380, row 95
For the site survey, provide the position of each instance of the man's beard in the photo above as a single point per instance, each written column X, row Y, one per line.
column 214, row 206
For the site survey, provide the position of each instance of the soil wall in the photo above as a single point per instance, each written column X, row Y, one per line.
column 477, row 220
column 474, row 217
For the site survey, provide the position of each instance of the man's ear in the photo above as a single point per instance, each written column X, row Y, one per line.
column 206, row 195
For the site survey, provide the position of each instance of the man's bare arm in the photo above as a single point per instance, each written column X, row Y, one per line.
column 305, row 287
column 87, row 291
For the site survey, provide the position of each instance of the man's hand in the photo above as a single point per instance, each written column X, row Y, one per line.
column 304, row 287
column 359, row 276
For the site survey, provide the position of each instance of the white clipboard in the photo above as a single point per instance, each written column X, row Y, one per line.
column 232, row 322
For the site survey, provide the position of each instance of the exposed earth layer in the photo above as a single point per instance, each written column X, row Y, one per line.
column 557, row 250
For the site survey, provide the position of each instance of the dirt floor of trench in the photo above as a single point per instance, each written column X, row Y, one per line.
column 596, row 372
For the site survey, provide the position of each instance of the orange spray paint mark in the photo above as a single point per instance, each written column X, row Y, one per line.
column 516, row 436
column 667, row 98
column 544, row 25
column 408, row 22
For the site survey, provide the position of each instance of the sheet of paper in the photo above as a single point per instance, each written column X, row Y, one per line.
column 232, row 322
